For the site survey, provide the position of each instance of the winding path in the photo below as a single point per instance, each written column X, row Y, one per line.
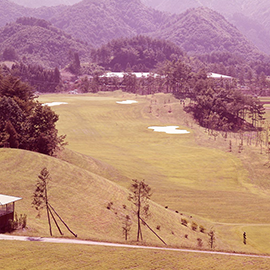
column 93, row 243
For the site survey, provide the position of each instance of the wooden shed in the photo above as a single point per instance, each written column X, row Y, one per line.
column 7, row 209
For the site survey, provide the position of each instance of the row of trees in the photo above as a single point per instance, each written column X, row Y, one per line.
column 43, row 80
column 214, row 104
column 24, row 122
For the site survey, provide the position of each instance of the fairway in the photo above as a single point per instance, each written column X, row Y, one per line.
column 184, row 176
column 192, row 176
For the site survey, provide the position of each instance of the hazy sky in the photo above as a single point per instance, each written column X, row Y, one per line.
column 40, row 3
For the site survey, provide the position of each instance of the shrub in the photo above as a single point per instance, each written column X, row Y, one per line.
column 202, row 229
column 194, row 226
column 17, row 223
column 109, row 205
column 200, row 242
column 184, row 222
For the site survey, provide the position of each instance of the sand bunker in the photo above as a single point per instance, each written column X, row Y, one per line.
column 54, row 104
column 170, row 130
column 127, row 102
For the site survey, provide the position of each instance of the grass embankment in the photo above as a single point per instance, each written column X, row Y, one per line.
column 81, row 198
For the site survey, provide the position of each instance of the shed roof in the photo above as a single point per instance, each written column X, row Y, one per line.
column 5, row 199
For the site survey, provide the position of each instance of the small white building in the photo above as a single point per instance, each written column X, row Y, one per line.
column 218, row 76
column 121, row 74
column 7, row 209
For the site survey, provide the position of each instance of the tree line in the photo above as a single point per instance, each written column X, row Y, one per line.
column 214, row 103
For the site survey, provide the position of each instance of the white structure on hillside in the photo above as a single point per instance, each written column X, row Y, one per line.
column 121, row 74
column 218, row 76
column 7, row 209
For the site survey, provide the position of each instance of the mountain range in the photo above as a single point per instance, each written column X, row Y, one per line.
column 36, row 41
column 251, row 17
column 93, row 23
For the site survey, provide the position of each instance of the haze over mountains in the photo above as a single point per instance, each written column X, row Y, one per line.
column 41, row 3
column 97, row 22
column 251, row 17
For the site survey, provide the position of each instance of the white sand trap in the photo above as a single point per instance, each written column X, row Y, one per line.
column 127, row 102
column 170, row 130
column 54, row 104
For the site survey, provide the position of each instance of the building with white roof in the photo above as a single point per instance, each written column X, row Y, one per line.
column 7, row 209
column 218, row 76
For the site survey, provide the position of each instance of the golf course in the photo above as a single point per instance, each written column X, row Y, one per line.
column 114, row 137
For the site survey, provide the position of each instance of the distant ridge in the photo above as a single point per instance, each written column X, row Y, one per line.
column 199, row 30
column 36, row 41
column 251, row 17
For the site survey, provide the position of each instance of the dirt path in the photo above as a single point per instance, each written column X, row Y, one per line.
column 87, row 242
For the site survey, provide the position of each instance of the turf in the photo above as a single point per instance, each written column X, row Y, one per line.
column 109, row 144
column 43, row 256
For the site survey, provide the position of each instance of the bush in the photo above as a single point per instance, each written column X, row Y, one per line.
column 200, row 242
column 184, row 222
column 194, row 226
column 109, row 205
column 17, row 223
column 202, row 229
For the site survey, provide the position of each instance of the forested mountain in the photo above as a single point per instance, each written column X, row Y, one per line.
column 140, row 53
column 251, row 17
column 203, row 30
column 97, row 22
column 10, row 12
column 36, row 41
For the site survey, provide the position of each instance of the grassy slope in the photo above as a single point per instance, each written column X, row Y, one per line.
column 81, row 198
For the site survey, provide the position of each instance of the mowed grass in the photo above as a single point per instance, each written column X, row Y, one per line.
column 189, row 173
column 34, row 255
column 184, row 175
column 82, row 198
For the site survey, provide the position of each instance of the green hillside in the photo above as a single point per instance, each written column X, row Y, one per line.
column 249, row 16
column 81, row 198
column 203, row 30
column 97, row 22
column 37, row 41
